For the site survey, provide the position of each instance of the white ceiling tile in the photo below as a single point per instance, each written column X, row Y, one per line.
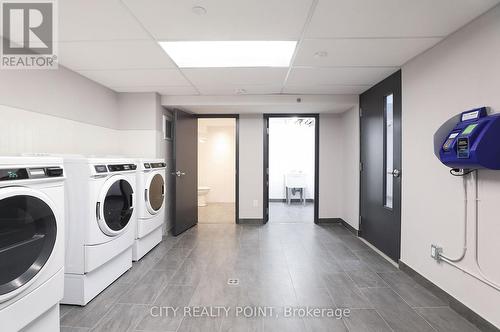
column 233, row 90
column 92, row 55
column 326, row 89
column 137, row 77
column 97, row 20
column 235, row 76
column 224, row 20
column 393, row 18
column 361, row 52
column 339, row 76
column 163, row 90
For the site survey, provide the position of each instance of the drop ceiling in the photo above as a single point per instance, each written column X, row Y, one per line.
column 345, row 46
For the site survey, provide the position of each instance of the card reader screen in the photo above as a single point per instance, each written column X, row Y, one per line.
column 469, row 129
column 449, row 141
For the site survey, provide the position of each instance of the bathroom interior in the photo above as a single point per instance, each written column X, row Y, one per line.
column 216, row 170
column 291, row 169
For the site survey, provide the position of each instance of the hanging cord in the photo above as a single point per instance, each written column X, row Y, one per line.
column 497, row 286
column 466, row 199
column 481, row 277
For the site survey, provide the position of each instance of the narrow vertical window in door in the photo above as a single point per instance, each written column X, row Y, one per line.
column 389, row 151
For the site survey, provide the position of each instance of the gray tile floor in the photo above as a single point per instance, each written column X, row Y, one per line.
column 278, row 265
column 217, row 213
column 291, row 213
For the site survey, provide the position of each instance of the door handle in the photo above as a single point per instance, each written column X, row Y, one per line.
column 98, row 210
column 396, row 173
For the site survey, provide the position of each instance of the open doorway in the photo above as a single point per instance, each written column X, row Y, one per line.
column 217, row 169
column 291, row 168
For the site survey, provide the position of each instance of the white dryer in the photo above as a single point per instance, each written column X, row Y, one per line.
column 31, row 243
column 151, row 183
column 101, row 223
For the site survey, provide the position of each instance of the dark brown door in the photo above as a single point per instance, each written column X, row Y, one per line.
column 380, row 222
column 184, row 172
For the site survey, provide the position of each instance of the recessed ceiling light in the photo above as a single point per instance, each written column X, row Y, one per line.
column 321, row 54
column 199, row 10
column 211, row 54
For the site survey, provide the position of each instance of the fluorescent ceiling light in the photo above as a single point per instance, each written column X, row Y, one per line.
column 210, row 54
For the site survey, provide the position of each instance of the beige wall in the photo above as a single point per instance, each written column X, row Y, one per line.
column 460, row 73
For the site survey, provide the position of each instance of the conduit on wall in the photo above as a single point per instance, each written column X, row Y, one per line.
column 482, row 276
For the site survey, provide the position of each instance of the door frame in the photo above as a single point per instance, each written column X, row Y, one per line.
column 398, row 209
column 237, row 156
column 265, row 185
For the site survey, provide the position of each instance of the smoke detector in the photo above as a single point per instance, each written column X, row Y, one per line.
column 321, row 54
column 199, row 10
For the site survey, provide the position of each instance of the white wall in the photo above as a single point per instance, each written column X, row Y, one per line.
column 61, row 112
column 140, row 123
column 141, row 135
column 291, row 148
column 216, row 158
column 251, row 165
column 338, row 168
column 32, row 132
column 56, row 111
column 460, row 73
column 349, row 211
column 61, row 93
column 330, row 166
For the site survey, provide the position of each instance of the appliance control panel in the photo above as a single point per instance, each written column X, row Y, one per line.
column 154, row 165
column 157, row 165
column 101, row 168
column 12, row 174
column 122, row 167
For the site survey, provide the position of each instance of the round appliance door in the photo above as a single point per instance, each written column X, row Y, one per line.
column 115, row 205
column 155, row 193
column 28, row 231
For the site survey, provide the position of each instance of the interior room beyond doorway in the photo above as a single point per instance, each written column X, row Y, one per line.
column 291, row 169
column 217, row 170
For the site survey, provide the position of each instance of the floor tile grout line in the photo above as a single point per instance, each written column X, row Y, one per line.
column 412, row 309
column 321, row 246
column 391, row 288
column 385, row 321
column 167, row 284
column 182, row 320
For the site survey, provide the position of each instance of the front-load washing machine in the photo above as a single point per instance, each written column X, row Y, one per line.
column 151, row 205
column 31, row 243
column 101, row 222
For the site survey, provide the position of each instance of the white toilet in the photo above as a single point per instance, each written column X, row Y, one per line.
column 202, row 195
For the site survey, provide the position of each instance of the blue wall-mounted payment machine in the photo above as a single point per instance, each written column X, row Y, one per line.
column 470, row 140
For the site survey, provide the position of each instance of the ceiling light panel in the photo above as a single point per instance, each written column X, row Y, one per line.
column 219, row 54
